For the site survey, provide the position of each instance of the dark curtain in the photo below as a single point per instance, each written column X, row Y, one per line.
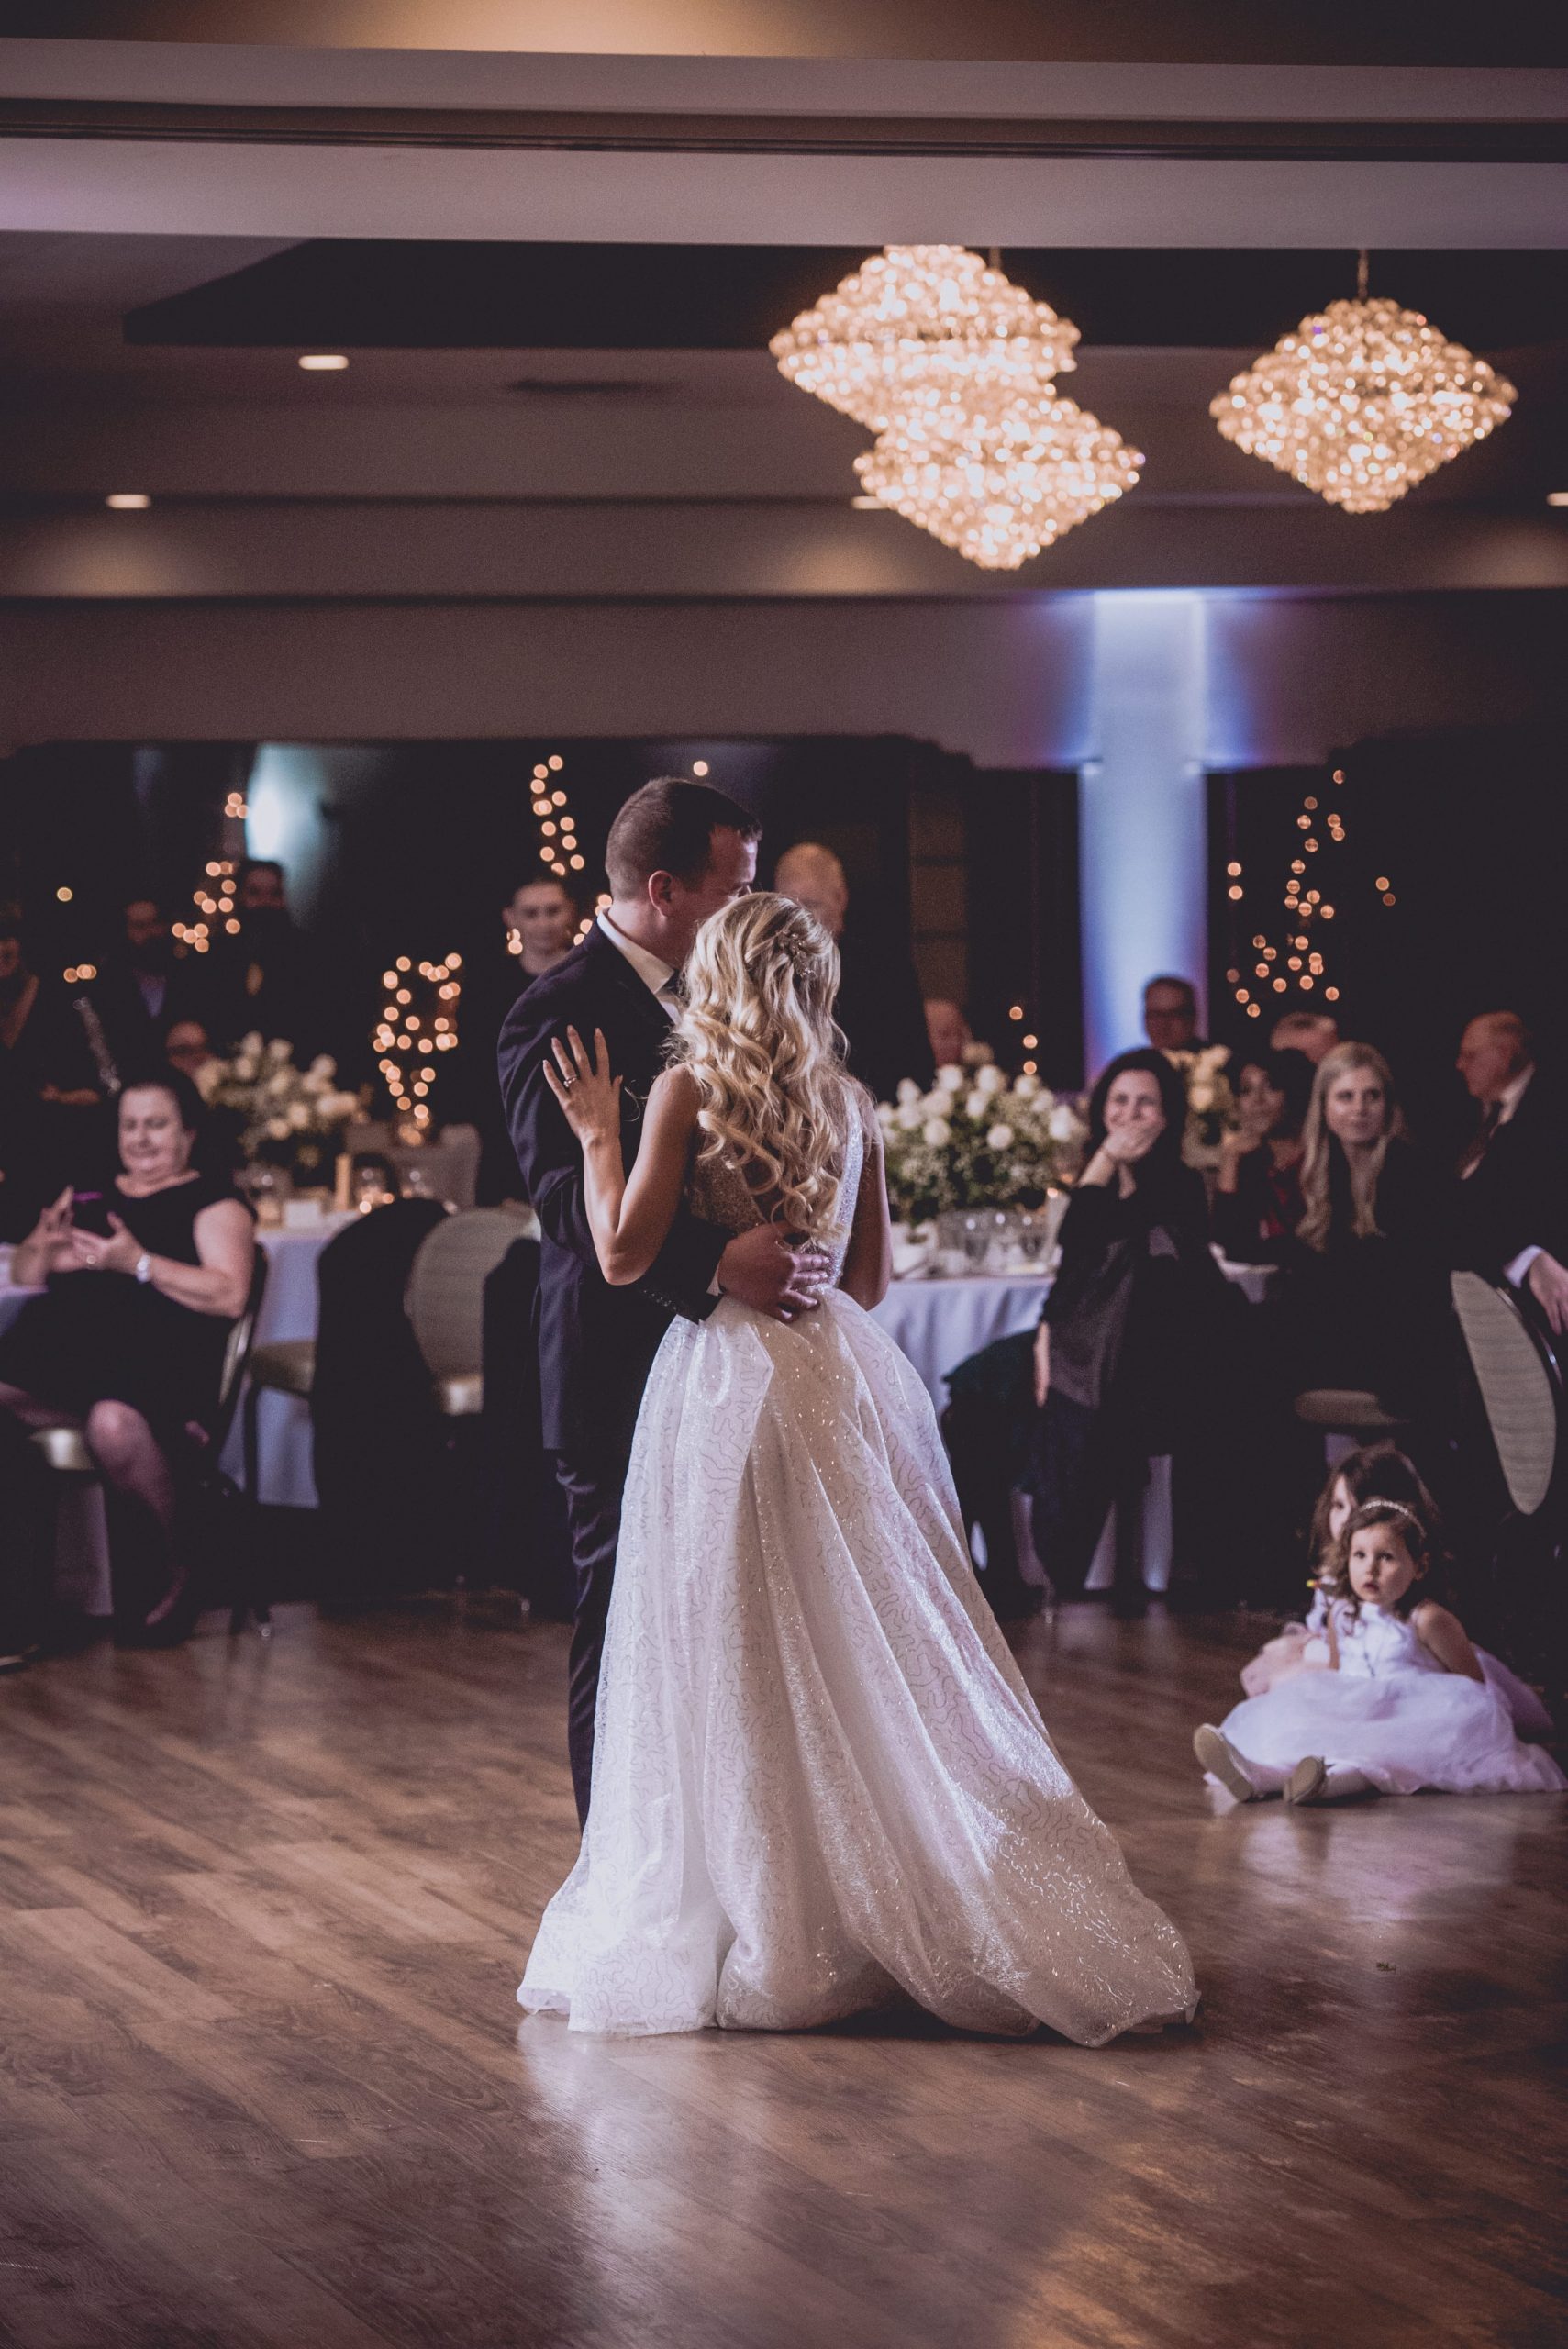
column 1024, row 944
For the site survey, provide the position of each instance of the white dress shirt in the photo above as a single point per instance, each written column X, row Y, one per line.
column 655, row 975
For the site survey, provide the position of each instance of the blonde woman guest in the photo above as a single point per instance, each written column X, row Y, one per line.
column 1368, row 1292
column 819, row 1782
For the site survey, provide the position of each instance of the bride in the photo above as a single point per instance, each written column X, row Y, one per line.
column 819, row 1781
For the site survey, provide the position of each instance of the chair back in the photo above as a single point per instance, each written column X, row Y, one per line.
column 1520, row 1385
column 237, row 1356
column 449, row 1168
column 445, row 1296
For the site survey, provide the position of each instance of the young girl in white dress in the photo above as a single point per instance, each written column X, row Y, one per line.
column 1398, row 1702
column 819, row 1781
column 1376, row 1472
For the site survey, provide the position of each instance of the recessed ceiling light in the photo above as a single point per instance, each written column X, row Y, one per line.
column 1557, row 497
column 323, row 362
column 128, row 501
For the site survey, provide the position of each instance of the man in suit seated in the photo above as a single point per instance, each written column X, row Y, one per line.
column 677, row 852
column 1511, row 1216
column 1169, row 1015
column 880, row 1007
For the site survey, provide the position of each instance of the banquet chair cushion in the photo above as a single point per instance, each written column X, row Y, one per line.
column 286, row 1365
column 1349, row 1408
column 66, row 1448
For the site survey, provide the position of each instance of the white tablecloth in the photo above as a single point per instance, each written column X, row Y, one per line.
column 939, row 1323
column 288, row 1310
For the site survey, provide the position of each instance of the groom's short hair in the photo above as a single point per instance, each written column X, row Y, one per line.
column 668, row 827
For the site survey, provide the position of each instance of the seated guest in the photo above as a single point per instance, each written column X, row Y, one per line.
column 1128, row 1355
column 878, row 1006
column 128, row 1338
column 1311, row 1032
column 142, row 989
column 948, row 1031
column 49, row 1085
column 1257, row 1202
column 1169, row 1015
column 188, row 1047
column 1368, row 1292
column 1511, row 1214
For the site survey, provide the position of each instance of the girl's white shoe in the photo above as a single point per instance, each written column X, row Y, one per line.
column 1219, row 1758
column 1313, row 1781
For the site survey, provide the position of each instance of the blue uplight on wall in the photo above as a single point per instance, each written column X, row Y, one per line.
column 1143, row 850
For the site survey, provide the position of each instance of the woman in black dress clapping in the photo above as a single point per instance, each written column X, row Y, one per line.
column 129, row 1337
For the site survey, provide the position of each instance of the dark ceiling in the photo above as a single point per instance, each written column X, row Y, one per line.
column 1350, row 32
column 463, row 296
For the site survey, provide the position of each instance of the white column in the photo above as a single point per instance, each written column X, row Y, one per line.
column 1142, row 858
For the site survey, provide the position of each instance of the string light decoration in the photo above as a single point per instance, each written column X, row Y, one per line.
column 415, row 1030
column 1292, row 961
column 1361, row 402
column 558, row 829
column 922, row 322
column 1000, row 486
column 558, row 846
column 214, row 900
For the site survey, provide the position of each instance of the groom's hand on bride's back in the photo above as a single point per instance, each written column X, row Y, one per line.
column 764, row 1272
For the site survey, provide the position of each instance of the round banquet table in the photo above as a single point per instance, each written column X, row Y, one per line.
column 288, row 1310
column 940, row 1322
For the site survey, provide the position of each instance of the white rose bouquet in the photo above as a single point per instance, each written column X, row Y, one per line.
column 1211, row 1103
column 289, row 1116
column 976, row 1140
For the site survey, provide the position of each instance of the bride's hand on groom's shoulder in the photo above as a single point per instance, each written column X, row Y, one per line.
column 589, row 1096
column 759, row 1269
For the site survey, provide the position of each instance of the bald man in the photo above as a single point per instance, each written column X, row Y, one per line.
column 880, row 1007
column 1512, row 1216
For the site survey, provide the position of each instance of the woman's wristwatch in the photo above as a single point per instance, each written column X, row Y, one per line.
column 144, row 1266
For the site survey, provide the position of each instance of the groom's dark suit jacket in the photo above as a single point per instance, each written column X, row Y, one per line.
column 596, row 1343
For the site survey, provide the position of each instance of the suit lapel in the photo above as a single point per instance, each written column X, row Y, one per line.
column 617, row 972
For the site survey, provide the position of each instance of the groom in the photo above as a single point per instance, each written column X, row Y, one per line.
column 677, row 852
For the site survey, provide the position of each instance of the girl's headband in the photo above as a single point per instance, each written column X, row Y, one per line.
column 1396, row 1508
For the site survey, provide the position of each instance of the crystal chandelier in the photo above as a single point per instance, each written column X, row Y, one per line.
column 922, row 320
column 1361, row 402
column 952, row 365
column 1001, row 485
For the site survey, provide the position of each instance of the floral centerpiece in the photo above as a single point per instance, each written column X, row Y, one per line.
column 977, row 1140
column 1211, row 1103
column 284, row 1116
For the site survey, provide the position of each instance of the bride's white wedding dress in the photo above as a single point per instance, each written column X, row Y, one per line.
column 818, row 1778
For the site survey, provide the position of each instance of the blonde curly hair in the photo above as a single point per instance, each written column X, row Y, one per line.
column 757, row 1034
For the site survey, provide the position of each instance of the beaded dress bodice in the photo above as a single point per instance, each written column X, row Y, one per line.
column 719, row 1194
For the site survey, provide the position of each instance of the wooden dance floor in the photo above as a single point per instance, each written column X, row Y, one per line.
column 263, row 2084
